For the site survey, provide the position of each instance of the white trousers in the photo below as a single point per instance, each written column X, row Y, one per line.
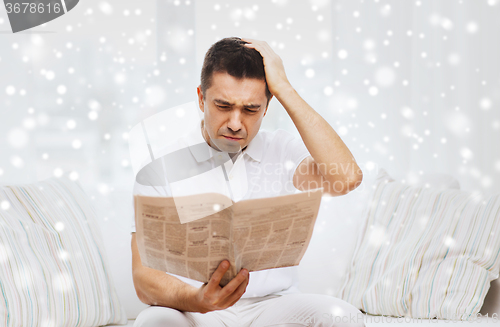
column 272, row 310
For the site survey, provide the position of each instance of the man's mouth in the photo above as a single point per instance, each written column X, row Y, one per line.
column 231, row 138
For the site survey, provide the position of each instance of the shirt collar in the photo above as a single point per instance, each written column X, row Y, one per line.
column 255, row 148
column 202, row 151
column 198, row 146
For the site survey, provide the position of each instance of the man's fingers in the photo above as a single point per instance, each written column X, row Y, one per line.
column 264, row 48
column 214, row 281
column 258, row 43
column 231, row 287
column 248, row 40
column 253, row 41
column 237, row 292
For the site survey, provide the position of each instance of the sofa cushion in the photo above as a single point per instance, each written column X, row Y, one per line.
column 337, row 227
column 424, row 252
column 53, row 269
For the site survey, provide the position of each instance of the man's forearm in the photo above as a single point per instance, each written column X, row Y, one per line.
column 334, row 159
column 331, row 156
column 156, row 287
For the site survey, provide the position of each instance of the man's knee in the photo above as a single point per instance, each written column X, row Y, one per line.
column 343, row 314
column 332, row 311
column 156, row 316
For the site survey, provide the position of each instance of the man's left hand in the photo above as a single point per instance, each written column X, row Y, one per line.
column 273, row 66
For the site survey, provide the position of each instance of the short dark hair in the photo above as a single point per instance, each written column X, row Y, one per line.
column 229, row 55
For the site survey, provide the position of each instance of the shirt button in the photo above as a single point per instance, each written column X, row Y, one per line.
column 230, row 176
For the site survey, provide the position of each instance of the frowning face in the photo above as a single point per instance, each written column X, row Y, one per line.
column 233, row 110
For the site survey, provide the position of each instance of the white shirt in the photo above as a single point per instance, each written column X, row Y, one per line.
column 264, row 169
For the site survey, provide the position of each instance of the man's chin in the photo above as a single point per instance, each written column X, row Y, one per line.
column 226, row 145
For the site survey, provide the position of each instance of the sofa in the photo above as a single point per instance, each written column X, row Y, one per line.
column 65, row 253
column 344, row 234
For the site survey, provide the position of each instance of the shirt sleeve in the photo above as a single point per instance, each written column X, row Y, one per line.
column 294, row 152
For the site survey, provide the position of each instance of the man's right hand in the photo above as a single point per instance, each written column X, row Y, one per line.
column 211, row 296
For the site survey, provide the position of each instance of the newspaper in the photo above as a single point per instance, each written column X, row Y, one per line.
column 255, row 234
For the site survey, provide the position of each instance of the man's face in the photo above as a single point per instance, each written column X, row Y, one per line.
column 233, row 111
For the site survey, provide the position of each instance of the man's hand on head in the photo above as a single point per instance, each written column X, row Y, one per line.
column 211, row 296
column 273, row 65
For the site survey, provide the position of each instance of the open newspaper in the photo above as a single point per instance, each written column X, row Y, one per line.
column 255, row 234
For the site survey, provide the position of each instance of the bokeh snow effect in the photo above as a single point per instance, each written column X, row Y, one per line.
column 411, row 86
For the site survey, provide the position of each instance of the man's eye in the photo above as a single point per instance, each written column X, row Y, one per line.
column 250, row 110
column 223, row 107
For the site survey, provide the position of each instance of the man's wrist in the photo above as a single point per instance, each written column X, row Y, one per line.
column 284, row 92
column 192, row 302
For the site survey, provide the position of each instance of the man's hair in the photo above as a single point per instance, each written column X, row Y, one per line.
column 229, row 55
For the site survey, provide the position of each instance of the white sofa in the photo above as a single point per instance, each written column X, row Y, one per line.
column 335, row 238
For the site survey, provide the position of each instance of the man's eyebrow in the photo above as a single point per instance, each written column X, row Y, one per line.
column 226, row 103
column 223, row 102
column 253, row 106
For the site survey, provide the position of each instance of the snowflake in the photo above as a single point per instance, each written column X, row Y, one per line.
column 59, row 226
column 10, row 90
column 62, row 282
column 18, row 137
column 61, row 89
column 472, row 27
column 485, row 103
column 385, row 76
column 76, row 144
column 342, row 54
column 5, row 205
column 58, row 172
column 373, row 91
column 74, row 176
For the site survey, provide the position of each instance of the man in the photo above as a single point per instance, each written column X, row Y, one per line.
column 239, row 78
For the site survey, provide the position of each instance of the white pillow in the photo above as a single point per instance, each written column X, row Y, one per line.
column 323, row 269
column 53, row 269
column 436, row 181
column 424, row 253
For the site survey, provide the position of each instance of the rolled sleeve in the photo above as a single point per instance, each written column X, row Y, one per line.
column 294, row 152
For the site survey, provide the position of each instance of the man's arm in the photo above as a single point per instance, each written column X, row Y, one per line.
column 155, row 287
column 331, row 164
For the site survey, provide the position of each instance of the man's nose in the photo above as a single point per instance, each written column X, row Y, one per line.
column 234, row 123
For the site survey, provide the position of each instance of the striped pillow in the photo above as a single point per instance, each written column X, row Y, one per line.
column 424, row 253
column 53, row 269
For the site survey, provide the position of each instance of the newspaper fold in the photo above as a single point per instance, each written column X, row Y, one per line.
column 255, row 234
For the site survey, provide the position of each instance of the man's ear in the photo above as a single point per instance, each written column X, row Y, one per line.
column 201, row 100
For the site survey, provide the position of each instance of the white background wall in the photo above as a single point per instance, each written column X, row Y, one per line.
column 410, row 86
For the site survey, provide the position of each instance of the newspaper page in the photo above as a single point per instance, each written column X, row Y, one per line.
column 254, row 234
column 194, row 249
column 274, row 232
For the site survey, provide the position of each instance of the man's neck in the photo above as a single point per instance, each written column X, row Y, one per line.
column 234, row 156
